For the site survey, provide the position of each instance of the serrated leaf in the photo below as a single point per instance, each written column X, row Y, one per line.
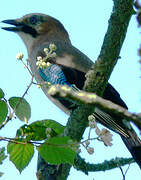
column 1, row 93
column 20, row 154
column 3, row 111
column 56, row 150
column 2, row 155
column 23, row 110
column 36, row 133
column 48, row 123
column 37, row 130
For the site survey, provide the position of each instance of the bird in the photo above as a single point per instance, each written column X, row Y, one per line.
column 69, row 67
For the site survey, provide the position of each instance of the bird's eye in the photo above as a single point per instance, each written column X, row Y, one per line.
column 33, row 20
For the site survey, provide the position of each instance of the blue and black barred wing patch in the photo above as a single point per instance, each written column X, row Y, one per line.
column 54, row 75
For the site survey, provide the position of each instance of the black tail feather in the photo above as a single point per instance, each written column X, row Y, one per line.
column 134, row 149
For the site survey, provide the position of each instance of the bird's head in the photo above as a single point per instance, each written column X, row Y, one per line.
column 36, row 26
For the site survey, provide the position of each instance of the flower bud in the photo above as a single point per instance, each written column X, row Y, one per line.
column 53, row 55
column 90, row 150
column 48, row 64
column 38, row 86
column 44, row 65
column 39, row 58
column 46, row 50
column 52, row 47
column 91, row 118
column 92, row 124
column 19, row 56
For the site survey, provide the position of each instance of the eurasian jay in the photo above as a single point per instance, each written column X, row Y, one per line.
column 68, row 67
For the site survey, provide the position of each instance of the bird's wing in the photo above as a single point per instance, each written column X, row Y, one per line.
column 71, row 57
column 73, row 65
column 67, row 56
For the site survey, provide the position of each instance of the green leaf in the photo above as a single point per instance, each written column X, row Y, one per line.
column 2, row 155
column 23, row 110
column 57, row 127
column 1, row 94
column 57, row 150
column 3, row 111
column 20, row 154
column 36, row 131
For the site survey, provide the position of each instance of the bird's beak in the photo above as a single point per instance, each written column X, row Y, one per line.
column 17, row 25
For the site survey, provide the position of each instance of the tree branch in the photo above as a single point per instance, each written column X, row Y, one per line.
column 81, row 165
column 97, row 78
column 85, row 98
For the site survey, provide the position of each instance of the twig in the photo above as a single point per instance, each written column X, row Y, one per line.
column 122, row 172
column 127, row 169
column 23, row 96
column 26, row 65
column 12, row 113
column 13, row 140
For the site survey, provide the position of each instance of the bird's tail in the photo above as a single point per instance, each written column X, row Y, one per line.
column 133, row 143
column 127, row 133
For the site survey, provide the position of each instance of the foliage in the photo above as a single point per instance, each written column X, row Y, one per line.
column 3, row 111
column 36, row 131
column 23, row 110
column 20, row 153
column 2, row 157
column 54, row 150
column 46, row 135
column 1, row 94
column 57, row 150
